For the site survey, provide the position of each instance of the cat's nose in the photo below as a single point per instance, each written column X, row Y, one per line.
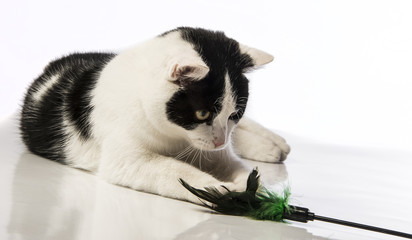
column 218, row 143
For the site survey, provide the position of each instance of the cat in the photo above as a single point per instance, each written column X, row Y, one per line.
column 169, row 108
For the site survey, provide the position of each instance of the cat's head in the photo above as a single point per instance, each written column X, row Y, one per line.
column 212, row 90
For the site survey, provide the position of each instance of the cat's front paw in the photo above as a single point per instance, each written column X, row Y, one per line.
column 280, row 143
column 267, row 147
column 266, row 151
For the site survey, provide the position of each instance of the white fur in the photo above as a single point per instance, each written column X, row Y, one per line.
column 80, row 153
column 38, row 95
column 133, row 144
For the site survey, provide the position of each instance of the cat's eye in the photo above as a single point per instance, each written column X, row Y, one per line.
column 202, row 115
column 234, row 114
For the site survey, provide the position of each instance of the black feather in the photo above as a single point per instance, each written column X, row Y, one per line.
column 262, row 205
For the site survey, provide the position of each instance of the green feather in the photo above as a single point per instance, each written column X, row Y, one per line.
column 258, row 203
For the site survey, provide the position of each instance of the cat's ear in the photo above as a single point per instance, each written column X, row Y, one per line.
column 259, row 57
column 187, row 69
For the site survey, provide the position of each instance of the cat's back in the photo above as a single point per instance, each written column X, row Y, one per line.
column 57, row 104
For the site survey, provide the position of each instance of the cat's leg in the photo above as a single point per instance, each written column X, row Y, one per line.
column 253, row 141
column 146, row 171
column 228, row 166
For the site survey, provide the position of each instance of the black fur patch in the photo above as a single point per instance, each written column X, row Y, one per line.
column 222, row 55
column 42, row 122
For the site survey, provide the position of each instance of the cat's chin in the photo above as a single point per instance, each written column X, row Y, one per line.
column 211, row 150
column 204, row 146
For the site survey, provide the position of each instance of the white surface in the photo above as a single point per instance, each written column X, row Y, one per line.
column 42, row 199
column 341, row 75
column 342, row 69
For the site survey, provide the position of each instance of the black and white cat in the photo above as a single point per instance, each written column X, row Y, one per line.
column 166, row 109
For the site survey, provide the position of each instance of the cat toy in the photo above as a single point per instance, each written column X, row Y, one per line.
column 262, row 204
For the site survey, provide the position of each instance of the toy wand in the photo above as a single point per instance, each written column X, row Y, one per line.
column 263, row 204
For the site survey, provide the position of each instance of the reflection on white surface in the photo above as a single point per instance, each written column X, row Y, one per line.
column 228, row 227
column 49, row 202
column 42, row 199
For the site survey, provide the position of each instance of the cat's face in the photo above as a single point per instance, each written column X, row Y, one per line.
column 213, row 91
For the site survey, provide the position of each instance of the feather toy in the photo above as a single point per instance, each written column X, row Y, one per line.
column 260, row 203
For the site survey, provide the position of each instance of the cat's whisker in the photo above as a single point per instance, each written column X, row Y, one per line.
column 190, row 154
column 194, row 157
column 187, row 153
column 181, row 152
column 208, row 156
column 200, row 159
column 184, row 152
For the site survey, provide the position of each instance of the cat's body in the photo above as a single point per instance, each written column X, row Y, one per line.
column 163, row 110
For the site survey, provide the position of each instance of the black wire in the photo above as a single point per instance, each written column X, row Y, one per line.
column 363, row 226
column 302, row 214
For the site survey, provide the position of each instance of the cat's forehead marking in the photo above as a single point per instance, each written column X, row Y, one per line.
column 228, row 101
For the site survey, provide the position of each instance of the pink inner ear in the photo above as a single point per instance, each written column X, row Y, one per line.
column 185, row 70
column 174, row 72
column 188, row 71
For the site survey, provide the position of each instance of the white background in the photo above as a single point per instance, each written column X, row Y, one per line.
column 342, row 72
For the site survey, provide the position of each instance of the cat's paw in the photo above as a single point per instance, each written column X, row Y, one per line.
column 267, row 147
column 280, row 142
column 265, row 152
